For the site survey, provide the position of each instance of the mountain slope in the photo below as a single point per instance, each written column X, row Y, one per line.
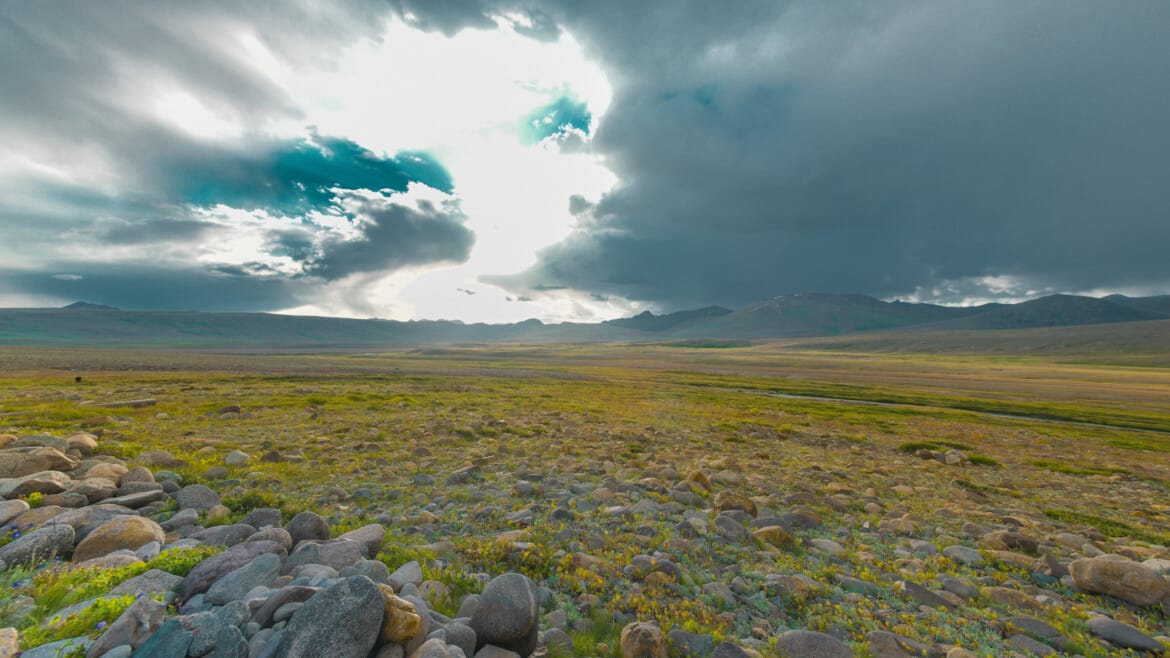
column 817, row 314
column 1051, row 311
column 647, row 321
column 1159, row 304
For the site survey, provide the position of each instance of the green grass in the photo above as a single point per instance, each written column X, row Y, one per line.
column 1109, row 527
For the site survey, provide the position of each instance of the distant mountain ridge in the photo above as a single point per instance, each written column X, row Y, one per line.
column 789, row 316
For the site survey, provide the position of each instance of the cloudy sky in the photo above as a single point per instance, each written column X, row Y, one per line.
column 498, row 160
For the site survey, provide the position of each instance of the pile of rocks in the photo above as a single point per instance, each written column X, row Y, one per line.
column 277, row 590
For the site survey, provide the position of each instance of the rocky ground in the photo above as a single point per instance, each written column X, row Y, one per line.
column 273, row 531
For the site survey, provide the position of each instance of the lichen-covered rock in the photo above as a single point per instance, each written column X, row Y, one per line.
column 400, row 622
column 642, row 639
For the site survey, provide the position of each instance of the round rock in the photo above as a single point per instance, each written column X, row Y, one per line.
column 507, row 614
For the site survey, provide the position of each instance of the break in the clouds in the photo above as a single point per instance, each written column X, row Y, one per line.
column 579, row 160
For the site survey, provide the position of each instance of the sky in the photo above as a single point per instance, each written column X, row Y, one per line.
column 497, row 160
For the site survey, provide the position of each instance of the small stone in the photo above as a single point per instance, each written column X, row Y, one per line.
column 727, row 500
column 236, row 458
column 107, row 470
column 773, row 535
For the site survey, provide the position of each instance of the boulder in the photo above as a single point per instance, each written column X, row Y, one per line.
column 215, row 567
column 132, row 627
column 1121, row 578
column 308, row 525
column 44, row 482
column 811, row 644
column 196, row 497
column 344, row 620
column 642, row 639
column 18, row 462
column 508, row 614
column 119, row 532
column 40, row 544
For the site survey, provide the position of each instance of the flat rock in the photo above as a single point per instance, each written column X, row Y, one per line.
column 370, row 537
column 18, row 462
column 44, row 482
column 136, row 500
column 344, row 620
column 262, row 570
column 225, row 535
column 215, row 567
column 1123, row 635
column 811, row 644
column 883, row 644
column 150, row 582
column 336, row 554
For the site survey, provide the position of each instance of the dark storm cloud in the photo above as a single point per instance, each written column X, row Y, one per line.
column 775, row 147
column 397, row 236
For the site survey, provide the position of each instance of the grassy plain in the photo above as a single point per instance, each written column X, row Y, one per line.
column 1058, row 443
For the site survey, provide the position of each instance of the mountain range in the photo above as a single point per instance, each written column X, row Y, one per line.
column 788, row 316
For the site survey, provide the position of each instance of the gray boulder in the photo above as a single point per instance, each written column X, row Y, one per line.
column 508, row 614
column 343, row 620
column 811, row 644
column 38, row 545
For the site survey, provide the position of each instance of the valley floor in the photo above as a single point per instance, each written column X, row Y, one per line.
column 732, row 493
